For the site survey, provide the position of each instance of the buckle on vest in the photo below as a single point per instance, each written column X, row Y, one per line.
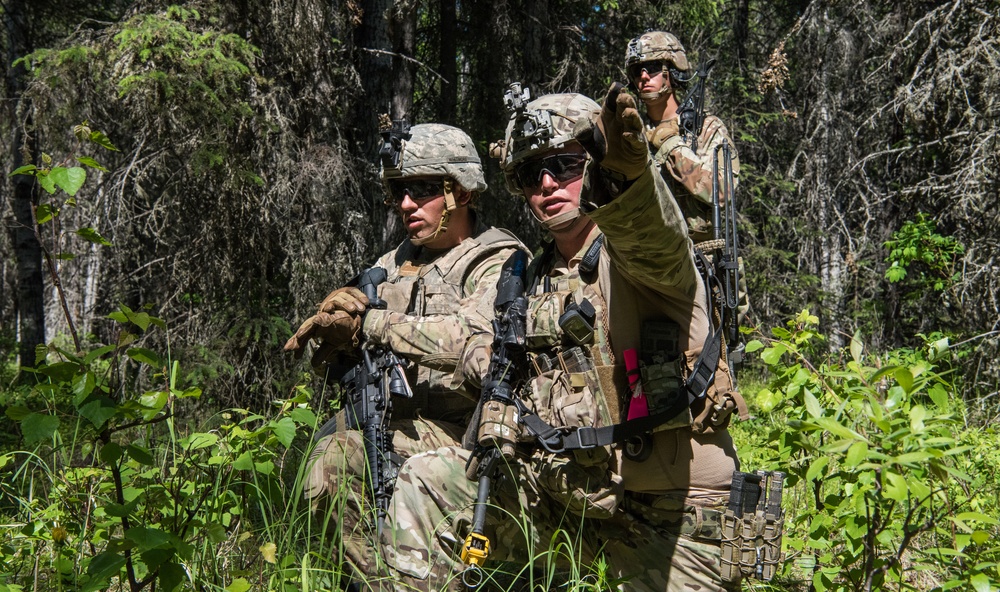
column 587, row 435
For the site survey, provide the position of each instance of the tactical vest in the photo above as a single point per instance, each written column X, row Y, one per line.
column 568, row 374
column 436, row 287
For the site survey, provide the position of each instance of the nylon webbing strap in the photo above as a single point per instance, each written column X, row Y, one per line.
column 696, row 386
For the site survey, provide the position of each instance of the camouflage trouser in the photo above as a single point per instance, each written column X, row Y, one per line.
column 431, row 513
column 336, row 482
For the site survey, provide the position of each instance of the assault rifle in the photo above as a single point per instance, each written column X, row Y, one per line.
column 692, row 109
column 366, row 395
column 726, row 258
column 500, row 406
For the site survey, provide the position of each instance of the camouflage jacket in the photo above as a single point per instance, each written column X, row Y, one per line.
column 689, row 174
column 435, row 303
column 645, row 277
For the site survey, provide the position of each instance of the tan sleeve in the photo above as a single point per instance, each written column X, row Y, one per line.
column 694, row 169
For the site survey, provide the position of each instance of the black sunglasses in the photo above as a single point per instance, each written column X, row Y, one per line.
column 652, row 67
column 417, row 189
column 562, row 167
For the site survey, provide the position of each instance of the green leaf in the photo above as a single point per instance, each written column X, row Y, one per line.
column 99, row 411
column 97, row 353
column 816, row 469
column 216, row 532
column 91, row 235
column 857, row 454
column 102, row 568
column 894, row 487
column 917, row 415
column 981, row 583
column 772, row 355
column 83, row 385
column 244, row 462
column 284, row 431
column 238, row 585
column 767, row 400
column 904, row 377
column 27, row 169
column 939, row 395
column 199, row 440
column 88, row 161
column 45, row 181
column 145, row 356
column 857, row 348
column 812, row 404
column 60, row 371
column 147, row 538
column 101, row 140
column 17, row 412
column 111, row 452
column 753, row 346
column 171, row 576
column 116, row 510
column 69, row 179
column 39, row 426
column 303, row 416
column 140, row 455
column 154, row 400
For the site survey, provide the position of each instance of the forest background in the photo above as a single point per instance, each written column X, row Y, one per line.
column 209, row 167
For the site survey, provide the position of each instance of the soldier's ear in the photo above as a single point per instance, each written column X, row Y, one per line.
column 463, row 197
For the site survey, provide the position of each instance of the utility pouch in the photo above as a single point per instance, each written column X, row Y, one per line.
column 752, row 526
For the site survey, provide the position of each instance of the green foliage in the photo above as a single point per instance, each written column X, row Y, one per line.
column 53, row 177
column 891, row 490
column 112, row 485
column 167, row 59
column 918, row 246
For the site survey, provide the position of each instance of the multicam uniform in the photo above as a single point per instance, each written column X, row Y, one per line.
column 435, row 302
column 655, row 521
column 688, row 173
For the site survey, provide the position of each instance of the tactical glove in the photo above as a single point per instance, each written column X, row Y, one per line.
column 615, row 137
column 337, row 331
column 347, row 299
column 663, row 132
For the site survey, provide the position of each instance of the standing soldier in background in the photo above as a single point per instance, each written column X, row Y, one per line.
column 615, row 292
column 439, row 291
column 657, row 65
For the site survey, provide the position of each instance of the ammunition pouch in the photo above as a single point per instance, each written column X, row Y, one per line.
column 752, row 527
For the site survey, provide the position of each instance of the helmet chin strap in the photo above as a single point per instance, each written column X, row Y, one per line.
column 559, row 222
column 450, row 205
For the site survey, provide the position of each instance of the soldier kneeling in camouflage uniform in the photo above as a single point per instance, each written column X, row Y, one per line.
column 615, row 299
column 439, row 291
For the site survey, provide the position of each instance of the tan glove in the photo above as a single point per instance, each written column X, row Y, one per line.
column 663, row 132
column 615, row 137
column 347, row 299
column 337, row 331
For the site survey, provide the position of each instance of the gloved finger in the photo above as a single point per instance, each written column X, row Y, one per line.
column 609, row 110
column 330, row 326
column 296, row 343
column 348, row 299
column 628, row 113
column 587, row 132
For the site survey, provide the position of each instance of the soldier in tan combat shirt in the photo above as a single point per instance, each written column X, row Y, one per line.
column 651, row 509
column 439, row 291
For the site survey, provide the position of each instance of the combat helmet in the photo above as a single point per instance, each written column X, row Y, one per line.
column 657, row 45
column 536, row 127
column 430, row 150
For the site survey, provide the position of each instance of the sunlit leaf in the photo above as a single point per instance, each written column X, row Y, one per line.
column 284, row 431
column 238, row 585
column 101, row 140
column 69, row 179
column 91, row 235
column 88, row 161
column 894, row 486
